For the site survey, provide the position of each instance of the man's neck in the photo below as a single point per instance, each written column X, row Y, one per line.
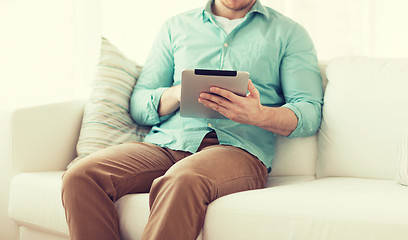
column 219, row 9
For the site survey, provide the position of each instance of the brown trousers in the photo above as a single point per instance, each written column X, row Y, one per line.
column 181, row 186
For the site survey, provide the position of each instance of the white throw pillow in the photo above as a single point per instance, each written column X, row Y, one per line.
column 106, row 119
column 402, row 176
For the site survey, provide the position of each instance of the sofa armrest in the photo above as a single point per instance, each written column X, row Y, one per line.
column 43, row 138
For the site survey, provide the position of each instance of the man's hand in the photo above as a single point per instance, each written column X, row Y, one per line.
column 245, row 110
column 249, row 110
column 170, row 100
column 177, row 92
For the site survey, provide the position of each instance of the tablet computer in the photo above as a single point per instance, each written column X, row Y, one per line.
column 196, row 81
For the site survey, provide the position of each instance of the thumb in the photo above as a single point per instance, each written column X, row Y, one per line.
column 252, row 89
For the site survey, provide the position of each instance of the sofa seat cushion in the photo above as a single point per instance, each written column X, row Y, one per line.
column 327, row 208
column 290, row 208
column 133, row 205
column 35, row 201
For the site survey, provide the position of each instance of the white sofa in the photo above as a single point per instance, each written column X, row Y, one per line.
column 336, row 185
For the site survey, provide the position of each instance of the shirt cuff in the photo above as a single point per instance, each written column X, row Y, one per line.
column 298, row 130
column 153, row 106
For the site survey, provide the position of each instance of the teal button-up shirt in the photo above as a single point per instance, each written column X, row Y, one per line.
column 276, row 51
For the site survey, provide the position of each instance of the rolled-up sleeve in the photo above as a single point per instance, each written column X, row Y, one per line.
column 301, row 82
column 155, row 78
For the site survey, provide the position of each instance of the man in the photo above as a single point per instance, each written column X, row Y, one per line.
column 186, row 163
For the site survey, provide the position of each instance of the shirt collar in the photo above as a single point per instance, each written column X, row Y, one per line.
column 256, row 8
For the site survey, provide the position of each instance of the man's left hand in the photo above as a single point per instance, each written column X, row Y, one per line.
column 245, row 110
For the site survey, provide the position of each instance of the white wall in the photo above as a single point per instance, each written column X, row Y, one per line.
column 352, row 27
column 133, row 25
column 49, row 47
column 349, row 27
column 37, row 49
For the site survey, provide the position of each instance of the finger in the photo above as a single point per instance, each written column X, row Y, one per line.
column 212, row 105
column 216, row 99
column 225, row 93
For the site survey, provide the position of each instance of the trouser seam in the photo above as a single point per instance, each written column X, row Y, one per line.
column 232, row 179
column 136, row 174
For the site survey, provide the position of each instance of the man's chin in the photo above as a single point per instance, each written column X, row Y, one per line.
column 236, row 5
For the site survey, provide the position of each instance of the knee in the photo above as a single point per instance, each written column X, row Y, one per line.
column 79, row 178
column 72, row 179
column 182, row 185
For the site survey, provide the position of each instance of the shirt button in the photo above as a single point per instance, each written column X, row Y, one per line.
column 209, row 124
column 225, row 44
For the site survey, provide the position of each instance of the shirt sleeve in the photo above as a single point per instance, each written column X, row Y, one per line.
column 155, row 78
column 301, row 82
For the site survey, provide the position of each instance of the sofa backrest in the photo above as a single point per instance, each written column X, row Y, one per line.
column 297, row 156
column 364, row 114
